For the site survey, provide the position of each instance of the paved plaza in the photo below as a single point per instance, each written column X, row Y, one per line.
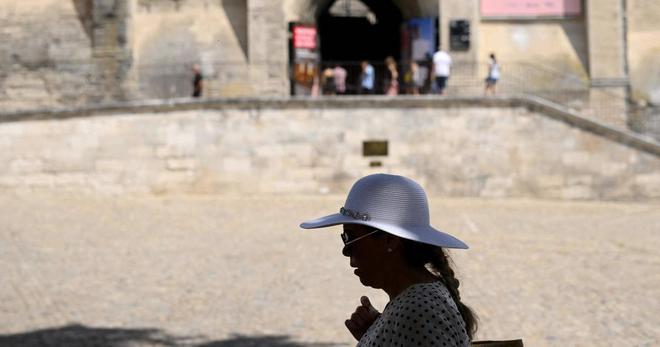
column 233, row 272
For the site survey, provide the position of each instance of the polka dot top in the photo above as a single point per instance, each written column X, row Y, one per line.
column 422, row 315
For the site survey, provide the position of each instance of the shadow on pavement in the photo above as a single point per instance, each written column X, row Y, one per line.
column 262, row 341
column 80, row 335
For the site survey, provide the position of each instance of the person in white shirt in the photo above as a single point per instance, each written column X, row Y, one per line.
column 493, row 75
column 367, row 78
column 441, row 69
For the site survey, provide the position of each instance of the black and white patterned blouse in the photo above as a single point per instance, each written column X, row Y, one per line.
column 423, row 315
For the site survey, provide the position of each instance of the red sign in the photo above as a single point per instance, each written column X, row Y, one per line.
column 304, row 37
column 530, row 8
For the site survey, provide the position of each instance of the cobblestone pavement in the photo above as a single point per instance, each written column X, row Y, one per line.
column 213, row 271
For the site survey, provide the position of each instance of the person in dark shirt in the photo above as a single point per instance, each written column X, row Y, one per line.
column 197, row 81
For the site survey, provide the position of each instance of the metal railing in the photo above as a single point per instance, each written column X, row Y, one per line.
column 77, row 83
column 569, row 89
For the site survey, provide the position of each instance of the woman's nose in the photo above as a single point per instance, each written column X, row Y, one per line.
column 345, row 251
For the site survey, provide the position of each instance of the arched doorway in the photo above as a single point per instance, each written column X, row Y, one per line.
column 354, row 30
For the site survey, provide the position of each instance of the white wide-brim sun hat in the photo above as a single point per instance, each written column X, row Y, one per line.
column 394, row 204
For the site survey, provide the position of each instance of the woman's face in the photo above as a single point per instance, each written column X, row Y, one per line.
column 366, row 254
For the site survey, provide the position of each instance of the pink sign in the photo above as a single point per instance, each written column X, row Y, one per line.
column 304, row 37
column 530, row 8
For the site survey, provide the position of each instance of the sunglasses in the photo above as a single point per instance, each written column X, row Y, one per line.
column 347, row 240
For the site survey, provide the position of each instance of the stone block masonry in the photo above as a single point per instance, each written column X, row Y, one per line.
column 56, row 53
column 469, row 148
column 83, row 52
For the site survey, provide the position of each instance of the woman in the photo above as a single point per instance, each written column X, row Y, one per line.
column 392, row 247
column 493, row 75
column 391, row 82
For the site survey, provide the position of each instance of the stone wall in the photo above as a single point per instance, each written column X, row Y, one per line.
column 644, row 49
column 528, row 42
column 269, row 55
column 77, row 52
column 46, row 54
column 168, row 37
column 485, row 148
column 55, row 52
column 460, row 10
column 605, row 35
column 74, row 52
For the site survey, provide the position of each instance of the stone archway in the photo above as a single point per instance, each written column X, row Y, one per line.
column 307, row 11
column 351, row 39
column 347, row 40
column 354, row 39
column 364, row 37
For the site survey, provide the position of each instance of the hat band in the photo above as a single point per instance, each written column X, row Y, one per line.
column 354, row 214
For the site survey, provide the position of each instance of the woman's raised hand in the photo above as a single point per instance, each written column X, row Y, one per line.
column 362, row 318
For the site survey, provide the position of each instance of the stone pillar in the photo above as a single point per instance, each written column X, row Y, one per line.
column 459, row 9
column 605, row 37
column 643, row 46
column 268, row 47
column 110, row 49
column 466, row 62
column 607, row 60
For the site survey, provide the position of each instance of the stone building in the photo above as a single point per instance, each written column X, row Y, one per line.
column 75, row 52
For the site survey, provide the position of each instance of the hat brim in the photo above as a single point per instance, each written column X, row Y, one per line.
column 424, row 234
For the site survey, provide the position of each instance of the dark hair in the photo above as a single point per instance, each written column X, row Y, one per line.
column 492, row 55
column 420, row 255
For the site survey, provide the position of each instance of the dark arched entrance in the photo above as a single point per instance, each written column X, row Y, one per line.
column 356, row 38
column 350, row 39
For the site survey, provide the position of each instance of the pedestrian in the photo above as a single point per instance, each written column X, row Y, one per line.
column 328, row 85
column 391, row 81
column 414, row 79
column 441, row 70
column 340, row 79
column 493, row 75
column 316, row 85
column 197, row 81
column 392, row 246
column 367, row 78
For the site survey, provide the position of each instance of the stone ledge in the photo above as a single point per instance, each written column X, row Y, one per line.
column 183, row 104
column 530, row 102
column 559, row 112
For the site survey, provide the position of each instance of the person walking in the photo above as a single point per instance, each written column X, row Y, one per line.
column 328, row 85
column 493, row 75
column 340, row 79
column 391, row 82
column 441, row 70
column 390, row 242
column 367, row 78
column 414, row 79
column 197, row 81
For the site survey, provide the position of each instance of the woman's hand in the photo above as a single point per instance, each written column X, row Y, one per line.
column 362, row 318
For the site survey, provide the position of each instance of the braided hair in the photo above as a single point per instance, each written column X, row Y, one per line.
column 437, row 261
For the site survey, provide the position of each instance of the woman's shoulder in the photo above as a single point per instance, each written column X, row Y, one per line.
column 424, row 312
column 427, row 295
column 427, row 288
